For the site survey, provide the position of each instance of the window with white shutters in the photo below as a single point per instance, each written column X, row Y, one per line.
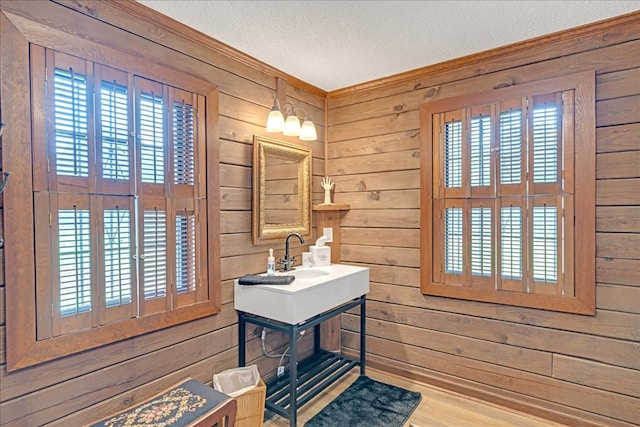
column 499, row 218
column 115, row 227
column 118, row 210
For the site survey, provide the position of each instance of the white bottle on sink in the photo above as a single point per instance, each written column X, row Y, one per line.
column 321, row 254
column 271, row 264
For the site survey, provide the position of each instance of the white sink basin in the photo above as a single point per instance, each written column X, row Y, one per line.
column 306, row 273
column 314, row 291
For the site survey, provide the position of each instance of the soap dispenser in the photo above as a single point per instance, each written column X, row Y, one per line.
column 271, row 264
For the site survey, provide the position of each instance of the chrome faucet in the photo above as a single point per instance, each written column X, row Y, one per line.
column 288, row 262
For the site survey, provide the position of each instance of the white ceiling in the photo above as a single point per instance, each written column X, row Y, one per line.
column 336, row 44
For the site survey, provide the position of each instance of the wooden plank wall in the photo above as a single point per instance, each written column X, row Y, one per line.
column 533, row 360
column 93, row 384
column 552, row 364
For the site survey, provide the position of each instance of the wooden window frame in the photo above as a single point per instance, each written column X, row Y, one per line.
column 118, row 49
column 581, row 155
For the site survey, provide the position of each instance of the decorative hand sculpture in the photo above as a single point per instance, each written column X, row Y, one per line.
column 327, row 185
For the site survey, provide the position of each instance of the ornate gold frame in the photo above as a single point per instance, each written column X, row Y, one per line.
column 266, row 147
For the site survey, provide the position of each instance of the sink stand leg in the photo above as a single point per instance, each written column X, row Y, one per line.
column 363, row 334
column 293, row 376
column 241, row 339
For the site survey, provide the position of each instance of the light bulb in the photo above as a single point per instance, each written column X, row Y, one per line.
column 292, row 126
column 308, row 131
column 275, row 121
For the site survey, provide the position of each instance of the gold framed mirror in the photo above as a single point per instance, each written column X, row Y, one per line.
column 281, row 190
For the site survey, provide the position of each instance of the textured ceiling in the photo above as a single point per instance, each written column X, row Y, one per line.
column 336, row 44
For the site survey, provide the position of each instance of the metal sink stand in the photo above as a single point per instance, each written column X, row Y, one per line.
column 305, row 379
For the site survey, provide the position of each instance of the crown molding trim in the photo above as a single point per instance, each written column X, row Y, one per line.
column 579, row 39
column 127, row 15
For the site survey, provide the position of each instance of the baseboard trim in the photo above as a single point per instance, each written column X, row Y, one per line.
column 536, row 407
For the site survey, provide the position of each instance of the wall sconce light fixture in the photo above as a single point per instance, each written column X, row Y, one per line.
column 290, row 126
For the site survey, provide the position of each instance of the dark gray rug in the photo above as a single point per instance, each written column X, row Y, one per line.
column 368, row 403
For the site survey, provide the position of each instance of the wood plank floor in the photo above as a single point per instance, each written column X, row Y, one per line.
column 438, row 407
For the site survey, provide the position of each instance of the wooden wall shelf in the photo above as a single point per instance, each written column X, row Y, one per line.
column 331, row 207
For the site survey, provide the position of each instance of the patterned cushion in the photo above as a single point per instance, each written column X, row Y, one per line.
column 181, row 405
